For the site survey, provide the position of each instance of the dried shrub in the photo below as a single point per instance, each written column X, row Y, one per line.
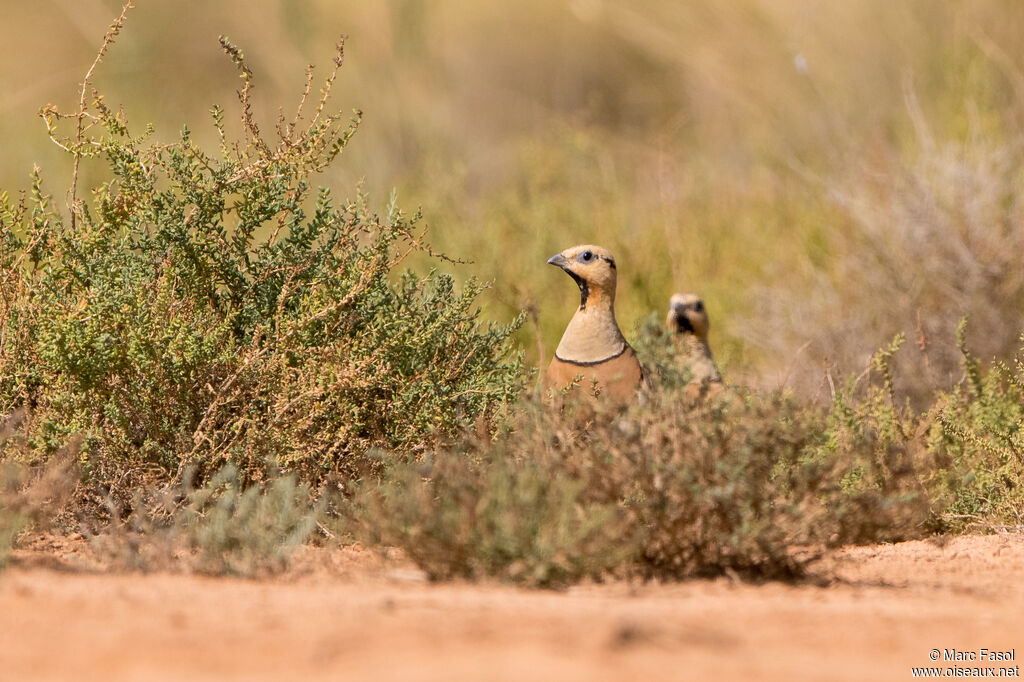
column 223, row 527
column 915, row 243
column 247, row 530
column 31, row 497
column 740, row 483
column 492, row 514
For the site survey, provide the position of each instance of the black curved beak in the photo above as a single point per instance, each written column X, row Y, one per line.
column 559, row 260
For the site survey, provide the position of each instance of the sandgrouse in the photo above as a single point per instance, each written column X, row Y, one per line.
column 593, row 345
column 688, row 322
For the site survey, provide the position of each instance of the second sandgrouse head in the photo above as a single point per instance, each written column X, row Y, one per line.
column 688, row 323
column 687, row 315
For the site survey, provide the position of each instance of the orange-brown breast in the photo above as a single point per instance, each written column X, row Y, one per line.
column 619, row 378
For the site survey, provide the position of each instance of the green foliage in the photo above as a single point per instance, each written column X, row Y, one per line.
column 204, row 308
column 200, row 308
column 868, row 152
column 964, row 447
column 666, row 362
column 978, row 439
column 873, row 435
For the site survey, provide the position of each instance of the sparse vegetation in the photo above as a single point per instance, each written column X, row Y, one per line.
column 31, row 496
column 976, row 436
column 923, row 242
column 743, row 483
column 222, row 527
column 206, row 346
column 494, row 512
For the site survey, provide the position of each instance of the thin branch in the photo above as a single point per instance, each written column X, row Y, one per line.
column 80, row 128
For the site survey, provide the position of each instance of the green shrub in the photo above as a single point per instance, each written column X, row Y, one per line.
column 978, row 441
column 875, row 437
column 963, row 449
column 665, row 361
column 202, row 308
column 245, row 530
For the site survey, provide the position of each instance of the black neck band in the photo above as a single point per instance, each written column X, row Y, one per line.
column 583, row 363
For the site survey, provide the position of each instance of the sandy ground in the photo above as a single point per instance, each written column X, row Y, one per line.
column 345, row 614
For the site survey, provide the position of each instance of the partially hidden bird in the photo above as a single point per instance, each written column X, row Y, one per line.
column 593, row 347
column 689, row 324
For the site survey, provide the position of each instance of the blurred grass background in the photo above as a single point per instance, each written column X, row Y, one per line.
column 825, row 174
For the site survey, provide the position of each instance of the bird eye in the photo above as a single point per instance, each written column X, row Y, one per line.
column 587, row 256
column 699, row 306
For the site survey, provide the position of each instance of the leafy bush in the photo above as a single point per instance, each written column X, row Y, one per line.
column 978, row 439
column 963, row 448
column 203, row 308
column 666, row 362
column 877, row 439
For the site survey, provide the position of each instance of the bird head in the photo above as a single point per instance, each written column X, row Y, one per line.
column 687, row 315
column 592, row 268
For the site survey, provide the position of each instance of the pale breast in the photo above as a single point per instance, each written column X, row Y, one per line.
column 619, row 378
